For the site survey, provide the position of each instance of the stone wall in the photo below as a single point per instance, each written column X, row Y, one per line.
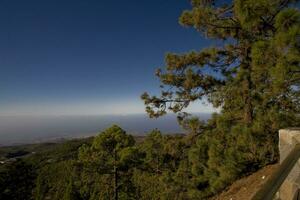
column 288, row 138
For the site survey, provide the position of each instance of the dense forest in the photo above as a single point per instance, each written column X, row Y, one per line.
column 114, row 163
column 253, row 77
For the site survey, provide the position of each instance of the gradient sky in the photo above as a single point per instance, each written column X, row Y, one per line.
column 87, row 56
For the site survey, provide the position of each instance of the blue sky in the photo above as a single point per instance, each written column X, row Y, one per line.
column 87, row 57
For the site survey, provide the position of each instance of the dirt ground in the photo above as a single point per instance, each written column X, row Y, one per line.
column 245, row 188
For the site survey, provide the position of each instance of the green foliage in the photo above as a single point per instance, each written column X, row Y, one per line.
column 256, row 70
column 55, row 181
column 111, row 156
column 45, row 173
column 223, row 154
column 253, row 78
column 17, row 181
column 159, row 167
column 153, row 150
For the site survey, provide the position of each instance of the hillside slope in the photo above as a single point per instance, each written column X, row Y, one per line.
column 246, row 187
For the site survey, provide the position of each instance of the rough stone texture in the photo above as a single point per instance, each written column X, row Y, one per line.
column 288, row 138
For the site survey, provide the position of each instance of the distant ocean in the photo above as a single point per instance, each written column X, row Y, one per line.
column 32, row 129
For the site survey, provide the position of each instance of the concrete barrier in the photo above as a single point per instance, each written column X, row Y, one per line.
column 289, row 189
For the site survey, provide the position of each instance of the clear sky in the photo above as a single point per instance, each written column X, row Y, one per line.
column 87, row 56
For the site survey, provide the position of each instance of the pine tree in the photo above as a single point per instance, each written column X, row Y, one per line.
column 111, row 154
column 255, row 74
column 253, row 78
column 153, row 149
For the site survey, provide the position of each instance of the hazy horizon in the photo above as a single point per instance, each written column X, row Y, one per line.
column 32, row 129
column 74, row 68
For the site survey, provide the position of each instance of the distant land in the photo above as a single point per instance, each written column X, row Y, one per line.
column 34, row 129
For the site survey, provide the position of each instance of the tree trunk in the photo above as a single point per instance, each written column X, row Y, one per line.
column 115, row 177
column 248, row 108
column 116, row 183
